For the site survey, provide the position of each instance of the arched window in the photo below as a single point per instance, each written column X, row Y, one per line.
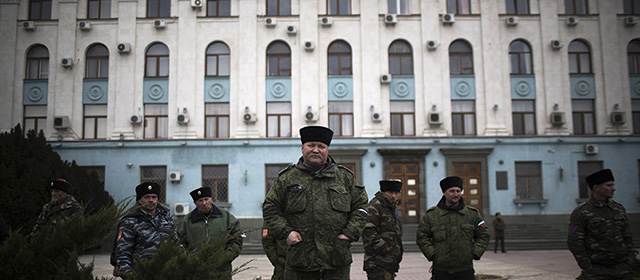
column 278, row 59
column 37, row 63
column 460, row 58
column 633, row 56
column 218, row 60
column 157, row 61
column 579, row 58
column 520, row 58
column 39, row 9
column 400, row 58
column 339, row 58
column 97, row 65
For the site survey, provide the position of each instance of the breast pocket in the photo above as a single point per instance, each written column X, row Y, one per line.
column 597, row 226
column 296, row 199
column 340, row 198
column 439, row 233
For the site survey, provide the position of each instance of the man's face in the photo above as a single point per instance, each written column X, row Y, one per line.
column 393, row 195
column 315, row 154
column 57, row 195
column 604, row 190
column 452, row 195
column 204, row 205
column 149, row 202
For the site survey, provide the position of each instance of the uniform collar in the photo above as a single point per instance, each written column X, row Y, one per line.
column 197, row 216
column 385, row 200
column 598, row 203
column 442, row 204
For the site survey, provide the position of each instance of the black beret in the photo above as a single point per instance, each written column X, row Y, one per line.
column 450, row 182
column 390, row 185
column 147, row 188
column 60, row 184
column 316, row 133
column 604, row 175
column 200, row 193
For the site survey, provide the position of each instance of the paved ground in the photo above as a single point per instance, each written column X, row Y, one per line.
column 533, row 265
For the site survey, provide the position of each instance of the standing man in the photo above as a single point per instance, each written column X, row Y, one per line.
column 207, row 224
column 382, row 235
column 141, row 231
column 316, row 206
column 61, row 208
column 599, row 232
column 452, row 234
column 498, row 230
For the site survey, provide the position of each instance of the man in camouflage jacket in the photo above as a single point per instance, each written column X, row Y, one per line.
column 318, row 209
column 61, row 208
column 141, row 231
column 382, row 235
column 599, row 233
column 452, row 234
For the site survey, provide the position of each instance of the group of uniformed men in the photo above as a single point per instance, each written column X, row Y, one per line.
column 315, row 210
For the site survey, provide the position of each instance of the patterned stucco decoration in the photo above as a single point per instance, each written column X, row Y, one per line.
column 402, row 87
column 34, row 92
column 156, row 90
column 523, row 87
column 216, row 89
column 278, row 89
column 95, row 91
column 340, row 88
column 463, row 87
column 583, row 87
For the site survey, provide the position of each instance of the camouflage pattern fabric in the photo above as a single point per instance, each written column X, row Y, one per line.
column 276, row 250
column 600, row 240
column 56, row 212
column 498, row 231
column 452, row 238
column 139, row 234
column 380, row 274
column 320, row 205
column 382, row 235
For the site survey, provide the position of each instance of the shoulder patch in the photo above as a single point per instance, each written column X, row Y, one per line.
column 345, row 168
column 291, row 165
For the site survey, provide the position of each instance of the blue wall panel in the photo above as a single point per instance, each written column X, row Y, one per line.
column 156, row 90
column 402, row 87
column 34, row 92
column 278, row 89
column 523, row 87
column 583, row 87
column 216, row 89
column 463, row 87
column 340, row 88
column 95, row 91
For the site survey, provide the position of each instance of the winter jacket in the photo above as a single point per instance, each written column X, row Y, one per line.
column 382, row 235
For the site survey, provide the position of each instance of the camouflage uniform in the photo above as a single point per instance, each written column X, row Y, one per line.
column 382, row 238
column 320, row 205
column 452, row 237
column 56, row 212
column 498, row 230
column 139, row 234
column 276, row 250
column 600, row 240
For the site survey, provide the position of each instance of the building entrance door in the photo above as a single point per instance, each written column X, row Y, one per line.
column 409, row 207
column 471, row 175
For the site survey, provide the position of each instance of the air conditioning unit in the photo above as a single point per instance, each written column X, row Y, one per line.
column 124, row 48
column 270, row 22
column 309, row 46
column 292, row 29
column 432, row 45
column 630, row 21
column 391, row 19
column 183, row 118
column 311, row 117
column 326, row 21
column 249, row 118
column 61, row 122
column 84, row 25
column 557, row 118
column 556, row 44
column 134, row 119
column 385, row 78
column 196, row 3
column 376, row 116
column 160, row 24
column 67, row 62
column 29, row 25
column 181, row 208
column 572, row 21
column 449, row 18
column 618, row 118
column 435, row 118
column 175, row 176
column 512, row 21
column 591, row 149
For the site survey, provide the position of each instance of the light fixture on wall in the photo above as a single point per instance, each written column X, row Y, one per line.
column 555, row 106
column 372, row 108
column 434, row 107
column 616, row 106
column 495, row 107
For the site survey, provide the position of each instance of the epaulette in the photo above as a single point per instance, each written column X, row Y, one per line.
column 345, row 168
column 472, row 208
column 432, row 208
column 291, row 165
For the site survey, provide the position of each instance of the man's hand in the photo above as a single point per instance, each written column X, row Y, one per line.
column 293, row 238
column 343, row 237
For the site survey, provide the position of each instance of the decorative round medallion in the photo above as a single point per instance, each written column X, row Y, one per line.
column 278, row 90
column 35, row 94
column 156, row 92
column 522, row 88
column 583, row 88
column 340, row 89
column 462, row 88
column 216, row 91
column 95, row 93
column 401, row 89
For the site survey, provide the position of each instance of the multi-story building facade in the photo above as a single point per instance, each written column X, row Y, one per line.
column 521, row 98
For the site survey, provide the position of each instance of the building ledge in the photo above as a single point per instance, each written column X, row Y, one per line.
column 521, row 202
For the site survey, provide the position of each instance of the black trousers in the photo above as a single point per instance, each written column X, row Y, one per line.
column 443, row 275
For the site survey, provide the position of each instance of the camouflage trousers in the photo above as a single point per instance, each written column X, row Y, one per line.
column 380, row 274
column 278, row 272
column 338, row 274
column 443, row 275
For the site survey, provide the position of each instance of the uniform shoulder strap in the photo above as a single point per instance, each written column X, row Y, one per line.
column 291, row 165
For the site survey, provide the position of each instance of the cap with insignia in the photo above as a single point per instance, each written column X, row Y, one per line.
column 147, row 188
column 390, row 186
column 60, row 184
column 450, row 182
column 604, row 175
column 200, row 193
column 316, row 133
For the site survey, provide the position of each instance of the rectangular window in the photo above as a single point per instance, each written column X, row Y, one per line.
column 98, row 9
column 631, row 7
column 216, row 177
column 158, row 8
column 528, row 181
column 98, row 170
column 156, row 121
column 401, row 7
column 524, row 117
column 586, row 168
column 341, row 117
column 463, row 117
column 271, row 174
column 35, row 118
column 218, row 8
column 635, row 115
column 216, row 120
column 517, row 7
column 279, row 119
column 583, row 116
column 460, row 7
column 95, row 122
column 156, row 174
column 576, row 7
column 338, row 7
column 402, row 118
column 278, row 7
column 40, row 9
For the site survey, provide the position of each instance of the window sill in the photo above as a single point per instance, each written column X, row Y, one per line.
column 541, row 204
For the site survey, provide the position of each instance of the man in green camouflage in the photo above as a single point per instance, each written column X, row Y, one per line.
column 61, row 208
column 316, row 206
column 276, row 250
column 599, row 232
column 382, row 235
column 452, row 234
